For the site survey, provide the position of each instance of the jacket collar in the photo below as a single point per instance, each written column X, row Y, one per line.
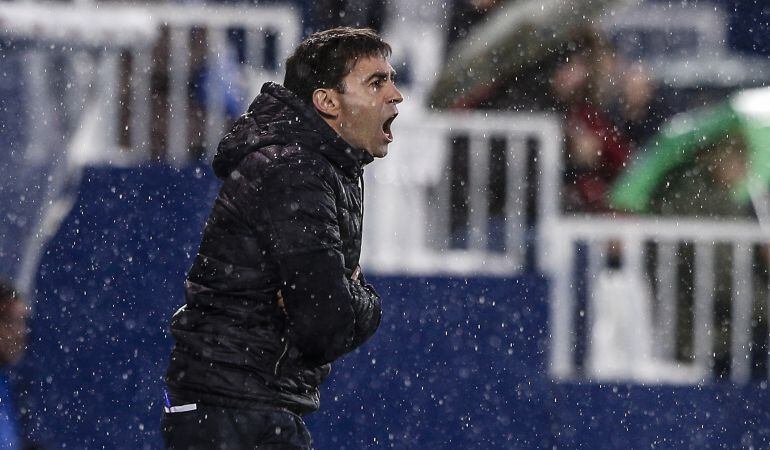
column 351, row 160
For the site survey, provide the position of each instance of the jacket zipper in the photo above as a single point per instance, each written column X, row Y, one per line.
column 280, row 358
column 361, row 183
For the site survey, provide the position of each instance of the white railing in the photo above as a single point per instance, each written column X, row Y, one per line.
column 409, row 226
column 109, row 84
column 565, row 238
column 260, row 26
column 130, row 68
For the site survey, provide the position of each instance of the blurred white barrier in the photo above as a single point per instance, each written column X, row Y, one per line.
column 575, row 253
column 123, row 84
column 152, row 81
column 266, row 35
column 452, row 195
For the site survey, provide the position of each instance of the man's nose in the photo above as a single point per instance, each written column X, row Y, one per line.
column 396, row 96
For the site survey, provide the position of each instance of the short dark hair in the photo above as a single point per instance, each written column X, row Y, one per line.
column 326, row 57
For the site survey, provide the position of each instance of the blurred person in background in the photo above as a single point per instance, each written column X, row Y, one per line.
column 14, row 313
column 639, row 110
column 275, row 293
column 596, row 150
column 706, row 189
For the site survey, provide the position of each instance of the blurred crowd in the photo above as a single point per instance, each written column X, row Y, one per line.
column 611, row 109
column 614, row 113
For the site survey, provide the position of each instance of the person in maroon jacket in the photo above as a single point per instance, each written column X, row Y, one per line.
column 14, row 332
column 276, row 292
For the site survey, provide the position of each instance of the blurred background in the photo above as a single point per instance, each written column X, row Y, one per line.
column 570, row 230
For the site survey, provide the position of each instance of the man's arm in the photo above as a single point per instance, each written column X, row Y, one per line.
column 367, row 305
column 329, row 314
column 366, row 308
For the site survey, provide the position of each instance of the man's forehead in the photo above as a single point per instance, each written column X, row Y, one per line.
column 366, row 66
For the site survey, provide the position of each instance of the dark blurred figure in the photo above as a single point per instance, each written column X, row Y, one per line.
column 14, row 313
column 465, row 14
column 639, row 110
column 596, row 150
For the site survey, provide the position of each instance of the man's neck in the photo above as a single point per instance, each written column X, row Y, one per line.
column 332, row 122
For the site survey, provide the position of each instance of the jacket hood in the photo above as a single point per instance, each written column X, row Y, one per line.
column 278, row 117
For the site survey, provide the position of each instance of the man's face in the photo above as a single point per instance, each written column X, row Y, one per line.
column 13, row 331
column 368, row 106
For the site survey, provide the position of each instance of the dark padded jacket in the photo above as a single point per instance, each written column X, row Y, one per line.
column 288, row 217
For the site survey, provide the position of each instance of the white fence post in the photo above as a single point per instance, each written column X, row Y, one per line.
column 478, row 189
column 667, row 308
column 703, row 319
column 517, row 154
column 139, row 122
column 178, row 132
column 741, row 312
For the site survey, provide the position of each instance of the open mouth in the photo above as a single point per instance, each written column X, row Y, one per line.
column 386, row 128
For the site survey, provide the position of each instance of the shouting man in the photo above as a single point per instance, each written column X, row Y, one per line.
column 275, row 293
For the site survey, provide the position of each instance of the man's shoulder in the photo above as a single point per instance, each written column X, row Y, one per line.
column 275, row 159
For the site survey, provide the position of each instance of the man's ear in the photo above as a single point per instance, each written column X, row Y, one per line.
column 326, row 102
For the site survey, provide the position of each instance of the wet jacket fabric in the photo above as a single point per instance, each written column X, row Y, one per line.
column 288, row 217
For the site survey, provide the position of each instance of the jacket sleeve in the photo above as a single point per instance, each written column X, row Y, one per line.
column 329, row 315
column 368, row 311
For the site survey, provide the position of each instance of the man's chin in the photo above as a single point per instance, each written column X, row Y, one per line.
column 381, row 151
column 378, row 152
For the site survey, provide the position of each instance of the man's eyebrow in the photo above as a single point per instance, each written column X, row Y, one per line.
column 381, row 75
